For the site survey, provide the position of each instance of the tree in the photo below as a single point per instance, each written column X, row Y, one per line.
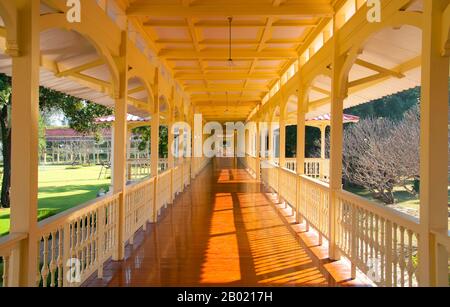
column 381, row 153
column 145, row 137
column 391, row 106
column 80, row 114
column 5, row 125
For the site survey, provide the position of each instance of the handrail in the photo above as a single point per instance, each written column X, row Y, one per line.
column 8, row 242
column 139, row 184
column 321, row 184
column 442, row 238
column 362, row 229
column 75, row 212
column 398, row 217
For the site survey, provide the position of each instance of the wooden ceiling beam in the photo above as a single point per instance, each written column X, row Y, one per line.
column 226, row 87
column 207, row 103
column 221, row 54
column 226, row 76
column 137, row 90
column 224, row 24
column 224, row 8
column 81, row 68
column 224, row 68
column 321, row 90
column 378, row 68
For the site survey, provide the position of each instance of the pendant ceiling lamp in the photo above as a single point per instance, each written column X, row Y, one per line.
column 230, row 57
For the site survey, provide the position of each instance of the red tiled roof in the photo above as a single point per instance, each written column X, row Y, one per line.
column 68, row 132
column 326, row 117
column 130, row 118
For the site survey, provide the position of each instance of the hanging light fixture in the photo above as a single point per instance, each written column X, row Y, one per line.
column 230, row 58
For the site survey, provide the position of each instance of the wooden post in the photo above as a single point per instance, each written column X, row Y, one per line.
column 170, row 158
column 282, row 138
column 263, row 132
column 323, row 139
column 271, row 149
column 336, row 142
column 24, row 150
column 129, row 159
column 300, row 159
column 434, row 144
column 155, row 144
column 181, row 155
column 120, row 148
column 258, row 151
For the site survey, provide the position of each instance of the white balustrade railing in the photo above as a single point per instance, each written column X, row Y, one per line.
column 198, row 164
column 163, row 196
column 287, row 182
column 9, row 247
column 186, row 172
column 178, row 179
column 138, row 207
column 442, row 248
column 379, row 241
column 138, row 169
column 269, row 174
column 250, row 164
column 80, row 240
column 314, row 205
column 163, row 165
column 314, row 167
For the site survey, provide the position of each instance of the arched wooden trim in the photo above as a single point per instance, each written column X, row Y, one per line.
column 446, row 32
column 397, row 20
column 291, row 98
column 59, row 21
column 273, row 111
column 163, row 100
column 133, row 74
column 8, row 14
column 176, row 113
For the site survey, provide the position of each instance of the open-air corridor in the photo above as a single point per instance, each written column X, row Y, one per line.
column 226, row 229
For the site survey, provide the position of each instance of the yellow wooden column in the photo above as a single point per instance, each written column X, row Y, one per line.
column 235, row 145
column 181, row 155
column 433, row 148
column 300, row 159
column 128, row 155
column 198, row 142
column 194, row 160
column 170, row 158
column 155, row 144
column 323, row 140
column 120, row 147
column 336, row 145
column 263, row 145
column 258, row 151
column 282, row 137
column 24, row 151
column 271, row 149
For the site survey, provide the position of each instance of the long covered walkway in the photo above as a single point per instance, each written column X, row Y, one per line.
column 225, row 230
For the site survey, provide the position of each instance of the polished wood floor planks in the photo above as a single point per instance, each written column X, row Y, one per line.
column 226, row 229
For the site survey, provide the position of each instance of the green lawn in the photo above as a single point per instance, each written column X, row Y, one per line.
column 61, row 188
column 402, row 197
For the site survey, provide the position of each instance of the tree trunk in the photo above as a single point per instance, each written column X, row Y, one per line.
column 6, row 152
column 6, row 183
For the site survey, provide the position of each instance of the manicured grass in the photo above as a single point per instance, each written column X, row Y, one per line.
column 402, row 197
column 61, row 188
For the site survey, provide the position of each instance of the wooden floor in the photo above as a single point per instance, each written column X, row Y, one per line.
column 226, row 230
